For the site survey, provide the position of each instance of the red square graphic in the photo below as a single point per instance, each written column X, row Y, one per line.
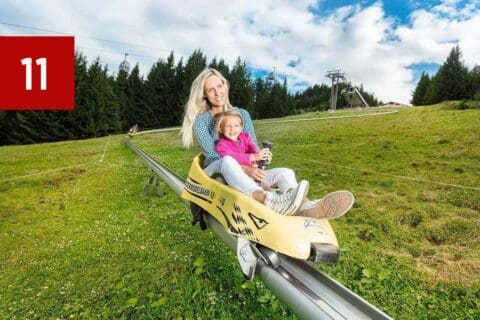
column 37, row 73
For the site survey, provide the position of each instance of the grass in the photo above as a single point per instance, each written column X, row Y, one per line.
column 83, row 243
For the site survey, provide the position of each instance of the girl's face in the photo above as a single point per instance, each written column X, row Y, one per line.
column 215, row 91
column 232, row 127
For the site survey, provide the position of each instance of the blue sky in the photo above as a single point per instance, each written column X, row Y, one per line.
column 399, row 9
column 384, row 45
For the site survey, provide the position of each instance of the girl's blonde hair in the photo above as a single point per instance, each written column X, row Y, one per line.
column 222, row 117
column 197, row 103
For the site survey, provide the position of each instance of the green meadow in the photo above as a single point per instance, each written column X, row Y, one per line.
column 79, row 240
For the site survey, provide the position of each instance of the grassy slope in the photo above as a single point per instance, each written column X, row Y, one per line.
column 83, row 243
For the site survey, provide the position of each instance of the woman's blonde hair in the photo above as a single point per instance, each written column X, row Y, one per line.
column 222, row 117
column 197, row 103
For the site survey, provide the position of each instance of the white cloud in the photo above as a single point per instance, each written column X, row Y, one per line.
column 370, row 47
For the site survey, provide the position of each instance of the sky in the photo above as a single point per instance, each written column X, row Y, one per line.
column 382, row 45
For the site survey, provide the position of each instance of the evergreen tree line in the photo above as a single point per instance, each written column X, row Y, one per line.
column 453, row 81
column 106, row 104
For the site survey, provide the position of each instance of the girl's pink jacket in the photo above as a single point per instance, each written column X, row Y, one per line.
column 240, row 150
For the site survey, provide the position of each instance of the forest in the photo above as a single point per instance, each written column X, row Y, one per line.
column 453, row 81
column 108, row 104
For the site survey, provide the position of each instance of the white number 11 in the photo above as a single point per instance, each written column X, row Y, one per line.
column 42, row 62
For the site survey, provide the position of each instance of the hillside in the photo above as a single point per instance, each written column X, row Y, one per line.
column 77, row 239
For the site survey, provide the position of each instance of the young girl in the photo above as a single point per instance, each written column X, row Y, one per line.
column 238, row 144
column 235, row 142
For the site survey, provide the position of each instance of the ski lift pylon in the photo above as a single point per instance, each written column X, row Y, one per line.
column 124, row 65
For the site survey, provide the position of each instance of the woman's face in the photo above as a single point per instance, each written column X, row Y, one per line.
column 232, row 127
column 215, row 91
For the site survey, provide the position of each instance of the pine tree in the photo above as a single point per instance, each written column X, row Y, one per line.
column 278, row 101
column 195, row 64
column 452, row 82
column 221, row 66
column 432, row 95
column 83, row 118
column 260, row 98
column 213, row 64
column 180, row 83
column 154, row 88
column 121, row 91
column 420, row 92
column 474, row 83
column 241, row 90
column 101, row 102
column 136, row 97
column 114, row 123
column 162, row 95
column 174, row 101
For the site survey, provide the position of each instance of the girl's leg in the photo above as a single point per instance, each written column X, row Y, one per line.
column 282, row 178
column 286, row 203
column 234, row 175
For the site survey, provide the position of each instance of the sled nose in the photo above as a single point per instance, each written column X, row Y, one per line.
column 324, row 253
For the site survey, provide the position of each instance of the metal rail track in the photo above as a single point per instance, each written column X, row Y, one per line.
column 309, row 292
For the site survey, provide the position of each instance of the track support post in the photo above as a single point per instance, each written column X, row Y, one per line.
column 153, row 181
column 247, row 258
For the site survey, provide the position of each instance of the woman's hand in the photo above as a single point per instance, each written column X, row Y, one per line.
column 258, row 175
column 254, row 173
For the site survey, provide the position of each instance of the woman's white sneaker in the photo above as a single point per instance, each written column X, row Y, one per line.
column 332, row 206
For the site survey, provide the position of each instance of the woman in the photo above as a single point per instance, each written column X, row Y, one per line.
column 208, row 98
